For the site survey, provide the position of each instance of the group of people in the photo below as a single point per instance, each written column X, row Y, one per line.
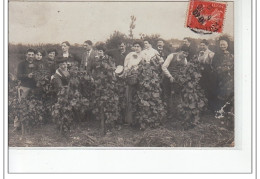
column 217, row 78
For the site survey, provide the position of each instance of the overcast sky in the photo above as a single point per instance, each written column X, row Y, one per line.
column 54, row 22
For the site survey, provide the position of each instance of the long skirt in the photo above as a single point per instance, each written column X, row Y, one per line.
column 175, row 100
column 208, row 83
column 130, row 90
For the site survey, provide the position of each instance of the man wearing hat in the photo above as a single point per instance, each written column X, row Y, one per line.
column 61, row 77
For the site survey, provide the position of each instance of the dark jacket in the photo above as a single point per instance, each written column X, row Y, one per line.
column 50, row 65
column 103, row 69
column 118, row 57
column 88, row 60
column 223, row 66
column 39, row 64
column 24, row 68
column 59, row 80
column 192, row 53
column 164, row 53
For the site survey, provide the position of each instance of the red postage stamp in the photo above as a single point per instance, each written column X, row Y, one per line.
column 206, row 15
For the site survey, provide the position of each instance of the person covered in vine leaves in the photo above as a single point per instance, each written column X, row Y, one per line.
column 42, row 92
column 73, row 61
column 87, row 59
column 171, row 69
column 223, row 65
column 62, row 115
column 26, row 88
column 42, row 75
column 150, row 107
column 106, row 98
column 131, row 74
column 208, row 80
column 119, row 55
column 154, row 57
column 45, row 90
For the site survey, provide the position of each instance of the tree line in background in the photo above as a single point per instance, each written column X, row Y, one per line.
column 18, row 50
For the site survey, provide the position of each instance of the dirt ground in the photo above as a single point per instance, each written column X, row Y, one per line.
column 211, row 132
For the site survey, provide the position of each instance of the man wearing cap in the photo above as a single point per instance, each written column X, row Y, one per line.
column 25, row 73
column 61, row 77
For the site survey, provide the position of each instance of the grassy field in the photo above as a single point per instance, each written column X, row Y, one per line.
column 210, row 132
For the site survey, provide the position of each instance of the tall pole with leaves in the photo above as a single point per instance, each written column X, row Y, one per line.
column 132, row 26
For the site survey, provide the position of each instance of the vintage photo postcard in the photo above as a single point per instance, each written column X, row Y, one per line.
column 129, row 78
column 138, row 75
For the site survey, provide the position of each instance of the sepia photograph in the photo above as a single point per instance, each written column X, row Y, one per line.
column 121, row 74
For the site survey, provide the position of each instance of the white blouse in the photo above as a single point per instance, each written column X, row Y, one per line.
column 149, row 53
column 132, row 59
